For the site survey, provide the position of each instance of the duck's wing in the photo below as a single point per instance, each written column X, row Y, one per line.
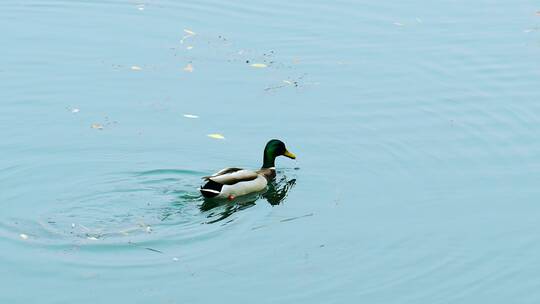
column 231, row 176
column 222, row 172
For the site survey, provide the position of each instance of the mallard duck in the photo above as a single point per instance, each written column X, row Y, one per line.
column 230, row 183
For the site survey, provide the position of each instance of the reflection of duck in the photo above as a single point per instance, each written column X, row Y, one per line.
column 276, row 193
column 233, row 182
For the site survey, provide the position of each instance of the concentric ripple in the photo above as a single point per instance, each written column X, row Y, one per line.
column 149, row 210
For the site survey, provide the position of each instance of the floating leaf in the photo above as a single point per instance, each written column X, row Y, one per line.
column 23, row 236
column 188, row 68
column 216, row 136
column 258, row 65
column 136, row 68
column 189, row 32
column 97, row 126
column 190, row 116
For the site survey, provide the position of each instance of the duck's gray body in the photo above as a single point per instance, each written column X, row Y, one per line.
column 234, row 182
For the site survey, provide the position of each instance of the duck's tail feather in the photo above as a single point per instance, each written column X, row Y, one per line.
column 211, row 189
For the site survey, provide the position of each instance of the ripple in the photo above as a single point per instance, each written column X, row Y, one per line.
column 151, row 210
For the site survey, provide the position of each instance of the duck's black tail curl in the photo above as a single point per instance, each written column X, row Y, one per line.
column 211, row 189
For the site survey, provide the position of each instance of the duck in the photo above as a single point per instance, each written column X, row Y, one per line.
column 230, row 183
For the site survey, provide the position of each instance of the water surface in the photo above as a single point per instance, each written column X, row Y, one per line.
column 415, row 125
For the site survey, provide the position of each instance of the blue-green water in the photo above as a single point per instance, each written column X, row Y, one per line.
column 416, row 125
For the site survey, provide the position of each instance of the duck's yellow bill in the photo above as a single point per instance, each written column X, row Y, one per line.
column 289, row 154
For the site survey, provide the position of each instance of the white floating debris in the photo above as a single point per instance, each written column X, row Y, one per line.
column 258, row 65
column 184, row 38
column 398, row 24
column 175, row 259
column 189, row 32
column 23, row 236
column 216, row 136
column 190, row 116
column 140, row 7
column 97, row 126
column 72, row 225
column 92, row 238
column 537, row 13
column 189, row 47
column 148, row 229
column 188, row 68
column 287, row 82
column 136, row 68
column 75, row 110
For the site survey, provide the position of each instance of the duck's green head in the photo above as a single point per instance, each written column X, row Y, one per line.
column 273, row 149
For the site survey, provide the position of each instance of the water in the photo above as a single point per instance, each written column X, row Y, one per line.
column 415, row 125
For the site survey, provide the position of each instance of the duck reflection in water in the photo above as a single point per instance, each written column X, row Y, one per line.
column 220, row 209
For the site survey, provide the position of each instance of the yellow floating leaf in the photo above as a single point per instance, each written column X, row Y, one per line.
column 189, row 32
column 216, row 136
column 97, row 126
column 259, row 65
column 136, row 68
column 189, row 68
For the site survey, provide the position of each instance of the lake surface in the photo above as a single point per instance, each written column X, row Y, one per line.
column 416, row 126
